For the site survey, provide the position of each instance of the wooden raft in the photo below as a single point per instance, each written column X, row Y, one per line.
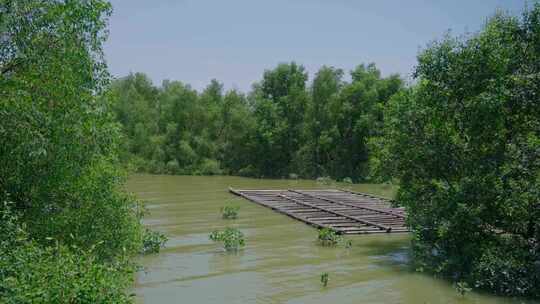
column 346, row 212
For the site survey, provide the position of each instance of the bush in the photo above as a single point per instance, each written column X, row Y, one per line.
column 232, row 238
column 329, row 237
column 507, row 270
column 324, row 279
column 155, row 167
column 153, row 241
column 136, row 164
column 347, row 180
column 229, row 212
column 173, row 167
column 55, row 273
column 248, row 171
column 59, row 274
column 210, row 167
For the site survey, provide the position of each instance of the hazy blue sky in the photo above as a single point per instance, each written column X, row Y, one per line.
column 234, row 41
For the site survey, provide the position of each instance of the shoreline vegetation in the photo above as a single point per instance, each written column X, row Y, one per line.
column 463, row 141
column 68, row 234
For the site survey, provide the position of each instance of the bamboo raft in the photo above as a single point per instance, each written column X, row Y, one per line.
column 346, row 212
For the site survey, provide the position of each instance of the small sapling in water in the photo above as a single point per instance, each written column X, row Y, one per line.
column 329, row 237
column 462, row 288
column 324, row 279
column 232, row 238
column 229, row 212
column 153, row 241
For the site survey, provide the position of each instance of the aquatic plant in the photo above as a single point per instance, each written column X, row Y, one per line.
column 324, row 279
column 462, row 288
column 153, row 241
column 229, row 212
column 232, row 238
column 329, row 237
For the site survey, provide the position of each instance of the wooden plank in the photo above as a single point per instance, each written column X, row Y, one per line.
column 347, row 204
column 382, row 227
column 367, row 195
column 304, row 220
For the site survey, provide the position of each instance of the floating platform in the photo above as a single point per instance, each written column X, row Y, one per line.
column 346, row 212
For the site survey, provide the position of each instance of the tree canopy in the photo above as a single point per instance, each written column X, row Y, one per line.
column 465, row 146
column 67, row 231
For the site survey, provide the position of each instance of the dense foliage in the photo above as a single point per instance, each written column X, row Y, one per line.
column 282, row 128
column 465, row 146
column 67, row 231
column 54, row 271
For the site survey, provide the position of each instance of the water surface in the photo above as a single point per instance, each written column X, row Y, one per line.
column 281, row 262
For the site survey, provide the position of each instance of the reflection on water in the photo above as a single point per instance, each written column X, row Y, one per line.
column 281, row 262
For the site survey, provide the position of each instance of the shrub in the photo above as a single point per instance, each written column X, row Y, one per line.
column 155, row 167
column 232, row 238
column 210, row 167
column 462, row 288
column 506, row 269
column 324, row 279
column 229, row 212
column 59, row 274
column 153, row 241
column 55, row 273
column 173, row 167
column 248, row 171
column 347, row 180
column 329, row 237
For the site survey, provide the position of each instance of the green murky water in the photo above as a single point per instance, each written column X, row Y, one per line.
column 281, row 262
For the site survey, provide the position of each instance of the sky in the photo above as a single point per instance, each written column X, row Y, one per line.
column 235, row 41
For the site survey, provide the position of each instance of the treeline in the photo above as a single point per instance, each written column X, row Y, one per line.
column 285, row 127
